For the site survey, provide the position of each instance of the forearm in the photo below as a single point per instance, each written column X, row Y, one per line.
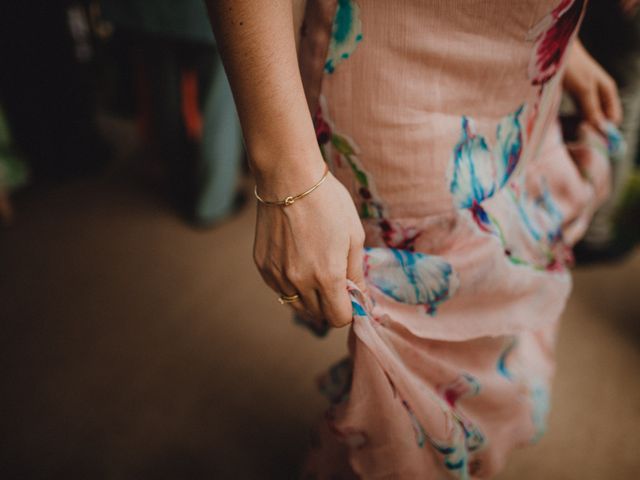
column 259, row 54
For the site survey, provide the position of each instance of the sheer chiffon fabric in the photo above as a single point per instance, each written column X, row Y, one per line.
column 440, row 118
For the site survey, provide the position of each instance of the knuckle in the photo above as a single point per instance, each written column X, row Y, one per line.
column 295, row 275
column 273, row 267
column 329, row 279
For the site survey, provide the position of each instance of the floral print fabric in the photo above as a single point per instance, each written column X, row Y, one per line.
column 440, row 120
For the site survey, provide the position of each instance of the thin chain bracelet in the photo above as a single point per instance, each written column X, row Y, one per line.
column 288, row 201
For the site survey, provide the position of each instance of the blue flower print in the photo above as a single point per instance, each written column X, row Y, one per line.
column 479, row 171
column 409, row 277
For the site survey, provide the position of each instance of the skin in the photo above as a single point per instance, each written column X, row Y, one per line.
column 593, row 89
column 313, row 246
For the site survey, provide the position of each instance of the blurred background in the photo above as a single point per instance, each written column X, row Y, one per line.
column 138, row 340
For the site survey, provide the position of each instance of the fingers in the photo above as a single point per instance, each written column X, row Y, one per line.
column 600, row 103
column 355, row 262
column 334, row 297
column 610, row 100
column 295, row 257
column 307, row 305
column 591, row 109
column 335, row 301
column 327, row 299
column 593, row 88
column 302, row 283
column 289, row 284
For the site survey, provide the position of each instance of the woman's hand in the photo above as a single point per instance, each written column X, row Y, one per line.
column 593, row 89
column 310, row 248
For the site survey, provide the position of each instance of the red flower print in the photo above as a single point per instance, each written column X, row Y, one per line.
column 396, row 236
column 552, row 35
column 323, row 130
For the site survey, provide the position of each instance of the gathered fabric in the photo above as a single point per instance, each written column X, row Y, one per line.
column 440, row 118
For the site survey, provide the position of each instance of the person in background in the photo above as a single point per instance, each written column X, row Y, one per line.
column 185, row 108
column 616, row 227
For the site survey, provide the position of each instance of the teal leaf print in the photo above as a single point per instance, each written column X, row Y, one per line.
column 455, row 455
column 615, row 141
column 477, row 170
column 539, row 396
column 345, row 34
column 509, row 146
column 413, row 278
column 465, row 386
column 501, row 365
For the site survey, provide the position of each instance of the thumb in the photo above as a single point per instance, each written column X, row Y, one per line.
column 355, row 266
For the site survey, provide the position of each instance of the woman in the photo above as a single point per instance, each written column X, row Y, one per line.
column 437, row 120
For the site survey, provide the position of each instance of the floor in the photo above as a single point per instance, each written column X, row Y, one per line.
column 134, row 347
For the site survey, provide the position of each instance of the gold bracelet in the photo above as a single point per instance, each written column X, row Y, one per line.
column 287, row 201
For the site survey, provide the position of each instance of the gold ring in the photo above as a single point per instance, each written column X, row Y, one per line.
column 288, row 298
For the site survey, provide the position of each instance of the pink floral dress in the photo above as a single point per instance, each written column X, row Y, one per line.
column 440, row 118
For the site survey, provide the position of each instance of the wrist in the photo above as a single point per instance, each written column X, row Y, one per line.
column 280, row 172
column 291, row 199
